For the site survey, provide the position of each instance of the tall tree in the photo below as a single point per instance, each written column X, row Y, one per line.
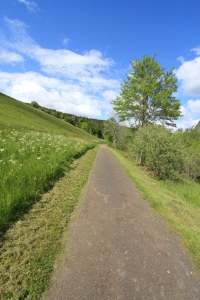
column 147, row 94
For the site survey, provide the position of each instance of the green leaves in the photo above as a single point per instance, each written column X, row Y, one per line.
column 147, row 94
column 159, row 150
column 34, row 104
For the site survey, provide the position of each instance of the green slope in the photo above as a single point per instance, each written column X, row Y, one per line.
column 16, row 114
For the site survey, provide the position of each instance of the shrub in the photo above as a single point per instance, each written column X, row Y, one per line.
column 191, row 167
column 158, row 149
column 191, row 141
column 35, row 104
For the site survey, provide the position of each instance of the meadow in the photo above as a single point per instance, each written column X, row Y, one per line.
column 31, row 162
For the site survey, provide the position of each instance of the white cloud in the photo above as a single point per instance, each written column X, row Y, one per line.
column 183, row 110
column 191, row 114
column 10, row 57
column 31, row 6
column 65, row 41
column 67, row 81
column 53, row 93
column 184, row 124
column 109, row 95
column 189, row 74
column 90, row 67
column 196, row 50
column 191, row 109
column 181, row 59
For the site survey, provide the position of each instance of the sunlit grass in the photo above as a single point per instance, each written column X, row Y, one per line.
column 30, row 163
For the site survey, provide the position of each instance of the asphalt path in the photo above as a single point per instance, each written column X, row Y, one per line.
column 119, row 247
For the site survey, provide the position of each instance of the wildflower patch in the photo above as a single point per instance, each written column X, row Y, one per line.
column 30, row 163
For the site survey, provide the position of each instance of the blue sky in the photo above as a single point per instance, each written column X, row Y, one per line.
column 72, row 55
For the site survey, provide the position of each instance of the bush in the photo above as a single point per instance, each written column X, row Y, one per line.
column 35, row 104
column 191, row 163
column 191, row 141
column 158, row 149
column 69, row 120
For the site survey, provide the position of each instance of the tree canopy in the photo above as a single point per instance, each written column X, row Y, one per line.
column 34, row 104
column 147, row 94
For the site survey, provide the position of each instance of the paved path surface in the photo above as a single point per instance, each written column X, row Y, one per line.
column 120, row 249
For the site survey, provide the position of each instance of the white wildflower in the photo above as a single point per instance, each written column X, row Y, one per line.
column 12, row 161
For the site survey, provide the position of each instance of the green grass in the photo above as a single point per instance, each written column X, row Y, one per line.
column 35, row 151
column 28, row 252
column 187, row 189
column 178, row 203
column 18, row 115
column 31, row 162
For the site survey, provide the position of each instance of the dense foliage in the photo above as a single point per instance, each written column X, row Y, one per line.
column 160, row 151
column 34, row 104
column 169, row 155
column 191, row 152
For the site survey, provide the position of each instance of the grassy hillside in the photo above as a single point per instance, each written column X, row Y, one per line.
column 18, row 115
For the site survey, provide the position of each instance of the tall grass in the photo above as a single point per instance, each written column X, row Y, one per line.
column 30, row 163
column 187, row 189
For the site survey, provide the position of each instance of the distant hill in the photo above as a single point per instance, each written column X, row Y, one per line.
column 19, row 115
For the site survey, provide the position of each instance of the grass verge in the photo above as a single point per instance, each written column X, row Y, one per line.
column 29, row 248
column 171, row 200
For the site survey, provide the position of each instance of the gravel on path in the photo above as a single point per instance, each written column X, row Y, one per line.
column 119, row 247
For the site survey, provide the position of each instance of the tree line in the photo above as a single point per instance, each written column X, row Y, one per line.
column 93, row 126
